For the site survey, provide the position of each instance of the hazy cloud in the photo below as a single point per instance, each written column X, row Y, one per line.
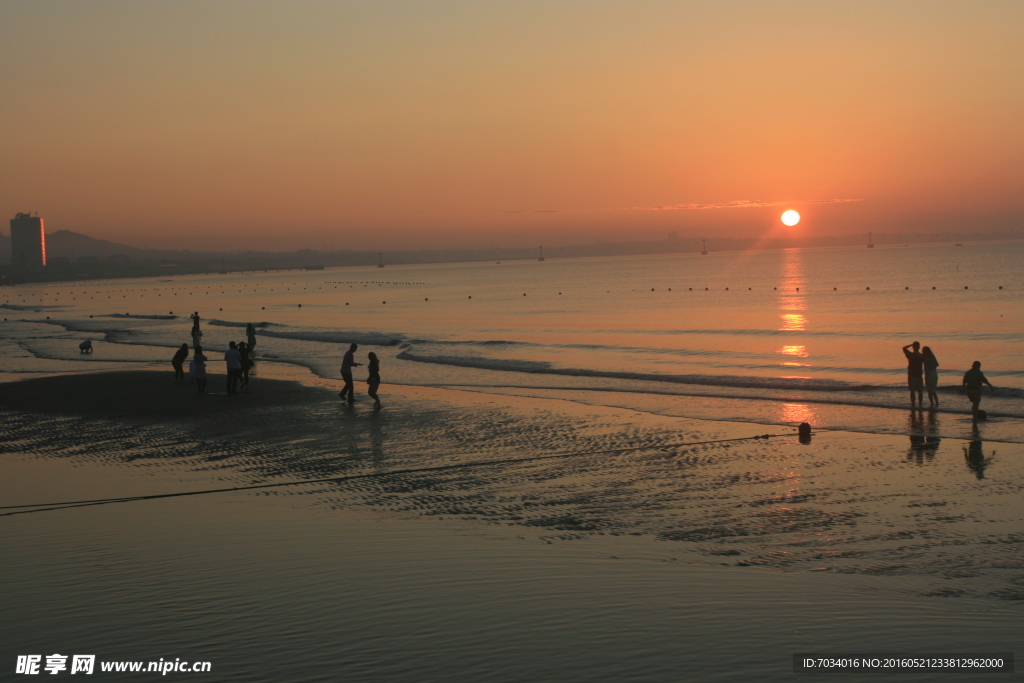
column 738, row 204
column 542, row 211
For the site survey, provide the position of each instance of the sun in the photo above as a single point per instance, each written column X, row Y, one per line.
column 790, row 217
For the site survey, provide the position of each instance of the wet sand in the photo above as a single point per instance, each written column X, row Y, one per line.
column 149, row 394
column 469, row 536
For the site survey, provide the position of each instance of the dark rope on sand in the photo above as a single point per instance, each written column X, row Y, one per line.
column 43, row 507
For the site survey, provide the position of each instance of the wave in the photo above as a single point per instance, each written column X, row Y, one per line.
column 842, row 333
column 266, row 329
column 541, row 367
column 141, row 317
column 39, row 307
column 736, row 381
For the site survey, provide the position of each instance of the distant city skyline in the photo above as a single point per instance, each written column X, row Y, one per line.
column 274, row 125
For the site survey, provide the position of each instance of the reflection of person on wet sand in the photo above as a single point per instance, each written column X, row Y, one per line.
column 921, row 447
column 915, row 372
column 973, row 379
column 974, row 454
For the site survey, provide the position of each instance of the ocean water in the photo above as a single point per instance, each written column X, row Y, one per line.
column 577, row 526
column 770, row 336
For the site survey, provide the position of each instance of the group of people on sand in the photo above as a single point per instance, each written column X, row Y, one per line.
column 923, row 372
column 238, row 359
column 373, row 365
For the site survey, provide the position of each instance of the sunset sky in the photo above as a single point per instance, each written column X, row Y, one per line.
column 425, row 124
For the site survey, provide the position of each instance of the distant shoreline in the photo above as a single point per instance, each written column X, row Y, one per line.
column 125, row 262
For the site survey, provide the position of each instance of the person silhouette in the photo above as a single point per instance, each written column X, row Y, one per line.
column 915, row 370
column 374, row 379
column 233, row 359
column 931, row 375
column 177, row 362
column 245, row 352
column 973, row 379
column 250, row 337
column 347, row 363
column 199, row 365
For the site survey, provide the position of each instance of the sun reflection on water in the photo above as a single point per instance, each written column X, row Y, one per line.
column 798, row 412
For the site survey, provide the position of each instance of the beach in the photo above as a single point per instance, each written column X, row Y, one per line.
column 512, row 342
column 469, row 536
column 583, row 469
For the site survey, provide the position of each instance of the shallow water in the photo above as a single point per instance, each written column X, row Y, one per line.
column 809, row 327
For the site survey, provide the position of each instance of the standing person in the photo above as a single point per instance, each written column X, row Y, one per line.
column 973, row 379
column 374, row 379
column 177, row 362
column 234, row 362
column 199, row 364
column 347, row 363
column 931, row 375
column 195, row 319
column 250, row 336
column 915, row 370
column 244, row 351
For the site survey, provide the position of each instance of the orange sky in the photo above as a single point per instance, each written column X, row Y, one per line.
column 425, row 124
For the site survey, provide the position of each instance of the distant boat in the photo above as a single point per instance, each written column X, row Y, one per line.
column 541, row 253
column 380, row 263
column 871, row 245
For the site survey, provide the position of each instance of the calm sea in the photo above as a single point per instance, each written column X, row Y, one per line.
column 810, row 333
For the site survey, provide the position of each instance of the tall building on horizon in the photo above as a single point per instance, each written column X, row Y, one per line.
column 28, row 242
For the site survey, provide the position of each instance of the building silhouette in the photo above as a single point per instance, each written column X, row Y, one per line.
column 28, row 242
